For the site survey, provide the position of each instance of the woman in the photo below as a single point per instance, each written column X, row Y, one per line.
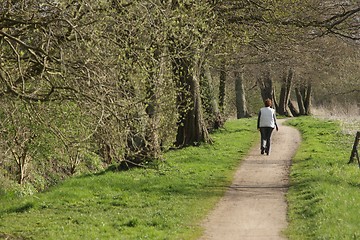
column 266, row 124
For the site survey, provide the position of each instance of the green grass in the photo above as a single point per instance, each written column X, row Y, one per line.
column 324, row 197
column 167, row 203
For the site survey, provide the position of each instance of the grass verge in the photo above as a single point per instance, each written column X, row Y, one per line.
column 167, row 203
column 324, row 197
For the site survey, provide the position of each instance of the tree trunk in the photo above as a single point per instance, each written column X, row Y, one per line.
column 266, row 86
column 307, row 102
column 274, row 99
column 201, row 132
column 303, row 96
column 283, row 108
column 22, row 167
column 186, row 71
column 222, row 88
column 241, row 108
column 214, row 111
column 282, row 102
column 300, row 101
column 20, row 152
column 191, row 125
column 21, row 163
column 288, row 92
column 144, row 144
column 293, row 110
column 74, row 160
column 152, row 136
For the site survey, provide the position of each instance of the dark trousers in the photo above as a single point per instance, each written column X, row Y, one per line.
column 265, row 138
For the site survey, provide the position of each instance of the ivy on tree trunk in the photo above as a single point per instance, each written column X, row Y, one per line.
column 191, row 125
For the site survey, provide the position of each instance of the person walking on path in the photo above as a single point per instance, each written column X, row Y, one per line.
column 254, row 206
column 266, row 124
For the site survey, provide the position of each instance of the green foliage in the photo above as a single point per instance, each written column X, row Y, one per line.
column 68, row 112
column 324, row 193
column 48, row 135
column 92, row 83
column 167, row 203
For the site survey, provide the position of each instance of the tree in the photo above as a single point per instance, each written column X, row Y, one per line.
column 241, row 107
column 210, row 99
column 280, row 31
column 188, row 42
column 285, row 91
column 222, row 87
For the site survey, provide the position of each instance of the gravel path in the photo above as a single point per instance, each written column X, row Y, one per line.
column 254, row 206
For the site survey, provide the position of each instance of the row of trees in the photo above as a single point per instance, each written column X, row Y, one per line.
column 89, row 83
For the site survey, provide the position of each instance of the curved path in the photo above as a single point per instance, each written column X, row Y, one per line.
column 254, row 206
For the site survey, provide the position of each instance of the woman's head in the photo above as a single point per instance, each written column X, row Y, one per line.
column 268, row 102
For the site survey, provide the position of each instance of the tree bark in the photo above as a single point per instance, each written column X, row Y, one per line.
column 241, row 109
column 282, row 102
column 20, row 154
column 214, row 111
column 152, row 136
column 300, row 102
column 286, row 83
column 222, row 86
column 191, row 124
column 266, row 86
column 307, row 102
column 22, row 163
column 293, row 110
column 303, row 95
column 201, row 132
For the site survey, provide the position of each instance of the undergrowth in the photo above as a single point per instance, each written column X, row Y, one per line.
column 167, row 203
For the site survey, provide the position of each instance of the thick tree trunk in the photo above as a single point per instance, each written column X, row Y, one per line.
column 143, row 145
column 191, row 125
column 241, row 109
column 186, row 71
column 283, row 108
column 293, row 109
column 303, row 96
column 214, row 111
column 201, row 132
column 300, row 101
column 266, row 86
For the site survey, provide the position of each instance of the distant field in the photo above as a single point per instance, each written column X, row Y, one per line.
column 349, row 120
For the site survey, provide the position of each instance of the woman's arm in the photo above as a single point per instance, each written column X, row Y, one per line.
column 258, row 121
column 276, row 126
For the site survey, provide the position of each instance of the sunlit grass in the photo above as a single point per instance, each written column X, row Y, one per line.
column 167, row 203
column 324, row 197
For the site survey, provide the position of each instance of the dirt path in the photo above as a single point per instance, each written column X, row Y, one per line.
column 254, row 206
